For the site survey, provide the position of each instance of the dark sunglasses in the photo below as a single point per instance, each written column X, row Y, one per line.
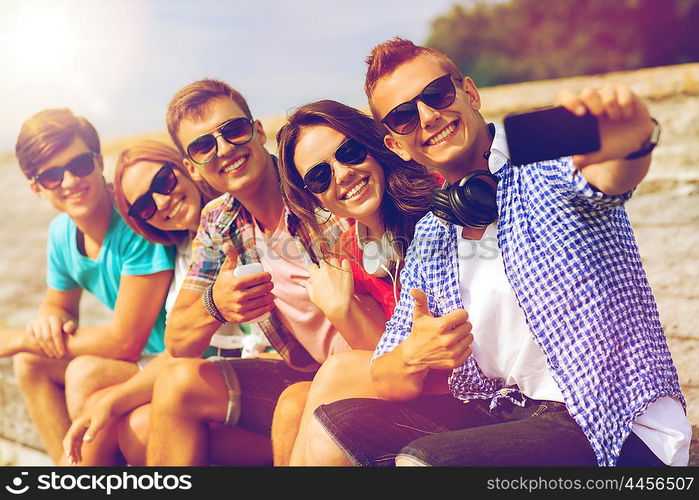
column 80, row 166
column 438, row 94
column 163, row 182
column 237, row 131
column 317, row 179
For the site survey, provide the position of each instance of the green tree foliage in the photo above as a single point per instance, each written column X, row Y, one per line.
column 511, row 41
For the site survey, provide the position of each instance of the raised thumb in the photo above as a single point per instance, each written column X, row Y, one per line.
column 231, row 257
column 421, row 307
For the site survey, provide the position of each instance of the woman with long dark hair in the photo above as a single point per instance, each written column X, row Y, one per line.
column 332, row 159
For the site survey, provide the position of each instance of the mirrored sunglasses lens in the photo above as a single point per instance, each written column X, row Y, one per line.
column 238, row 131
column 351, row 153
column 318, row 178
column 440, row 93
column 144, row 208
column 201, row 150
column 164, row 181
column 51, row 178
column 82, row 165
column 403, row 119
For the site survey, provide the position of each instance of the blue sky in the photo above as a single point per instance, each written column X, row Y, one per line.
column 118, row 62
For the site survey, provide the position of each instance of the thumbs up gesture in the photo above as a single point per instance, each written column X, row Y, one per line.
column 437, row 343
column 240, row 299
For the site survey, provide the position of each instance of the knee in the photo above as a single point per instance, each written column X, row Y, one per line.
column 176, row 386
column 82, row 370
column 292, row 401
column 81, row 381
column 339, row 370
column 28, row 368
column 133, row 435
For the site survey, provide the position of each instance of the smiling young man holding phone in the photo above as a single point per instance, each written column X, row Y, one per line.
column 90, row 247
column 212, row 125
column 550, row 354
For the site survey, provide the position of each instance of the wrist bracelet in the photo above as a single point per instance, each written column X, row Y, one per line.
column 210, row 305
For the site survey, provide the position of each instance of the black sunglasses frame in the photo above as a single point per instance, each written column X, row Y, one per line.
column 147, row 197
column 415, row 119
column 219, row 132
column 327, row 171
column 71, row 166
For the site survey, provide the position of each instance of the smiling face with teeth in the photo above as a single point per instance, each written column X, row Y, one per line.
column 79, row 197
column 355, row 191
column 450, row 140
column 178, row 210
column 235, row 169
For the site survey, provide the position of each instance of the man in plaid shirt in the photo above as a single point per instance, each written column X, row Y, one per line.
column 212, row 125
column 547, row 351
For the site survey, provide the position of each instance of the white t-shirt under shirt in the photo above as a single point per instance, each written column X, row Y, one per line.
column 505, row 349
column 281, row 256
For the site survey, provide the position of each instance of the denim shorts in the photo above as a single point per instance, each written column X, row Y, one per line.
column 254, row 386
column 439, row 430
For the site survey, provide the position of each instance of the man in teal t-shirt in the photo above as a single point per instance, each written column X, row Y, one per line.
column 57, row 364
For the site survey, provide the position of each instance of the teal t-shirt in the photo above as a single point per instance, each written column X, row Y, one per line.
column 123, row 252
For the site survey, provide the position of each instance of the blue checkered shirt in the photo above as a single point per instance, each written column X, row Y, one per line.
column 570, row 255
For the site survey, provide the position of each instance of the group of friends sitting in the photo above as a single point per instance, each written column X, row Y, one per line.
column 345, row 301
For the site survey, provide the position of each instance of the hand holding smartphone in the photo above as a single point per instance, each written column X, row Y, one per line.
column 550, row 133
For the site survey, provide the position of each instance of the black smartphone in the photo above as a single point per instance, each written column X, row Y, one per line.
column 546, row 134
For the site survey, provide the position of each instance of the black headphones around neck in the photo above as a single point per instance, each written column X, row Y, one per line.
column 471, row 201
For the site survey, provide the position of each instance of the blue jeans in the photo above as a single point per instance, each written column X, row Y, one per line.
column 440, row 430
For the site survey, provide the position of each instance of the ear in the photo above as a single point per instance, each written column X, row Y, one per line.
column 260, row 132
column 191, row 169
column 36, row 189
column 469, row 87
column 392, row 144
column 99, row 163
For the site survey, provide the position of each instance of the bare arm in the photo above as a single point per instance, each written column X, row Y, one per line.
column 54, row 333
column 624, row 126
column 138, row 305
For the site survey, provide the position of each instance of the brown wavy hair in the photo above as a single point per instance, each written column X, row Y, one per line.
column 408, row 184
column 156, row 152
column 49, row 132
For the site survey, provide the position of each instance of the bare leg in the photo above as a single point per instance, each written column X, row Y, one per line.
column 342, row 376
column 41, row 382
column 229, row 446
column 187, row 396
column 234, row 446
column 133, row 431
column 103, row 450
column 321, row 449
column 286, row 421
column 87, row 374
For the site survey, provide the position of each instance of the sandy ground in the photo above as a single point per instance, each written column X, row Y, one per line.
column 664, row 211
